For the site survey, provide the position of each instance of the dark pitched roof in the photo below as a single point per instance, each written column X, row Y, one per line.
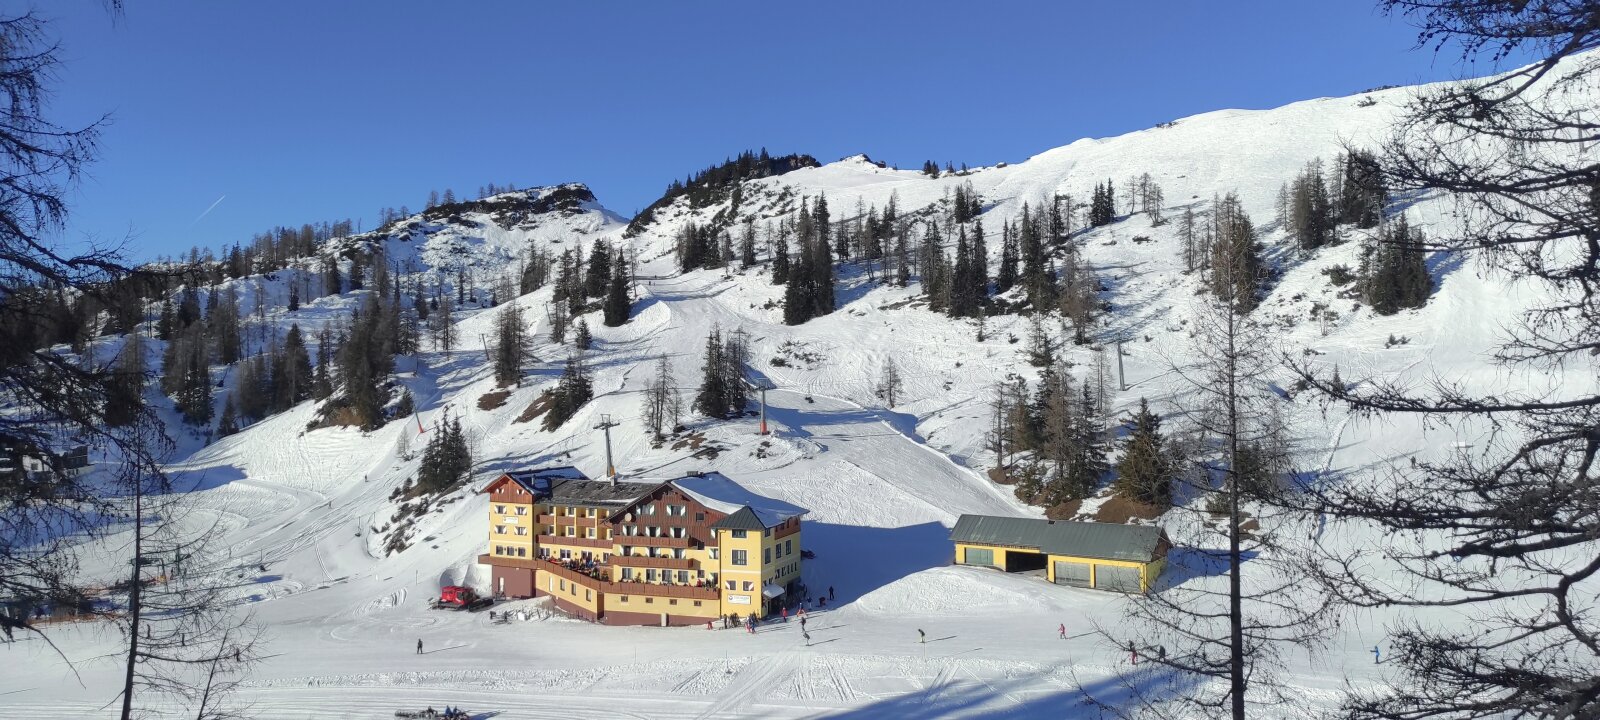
column 597, row 492
column 744, row 519
column 1106, row 541
column 569, row 485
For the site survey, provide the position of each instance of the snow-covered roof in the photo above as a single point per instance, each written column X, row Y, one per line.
column 716, row 491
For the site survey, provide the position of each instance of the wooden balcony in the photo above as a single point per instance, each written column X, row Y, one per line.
column 639, row 561
column 600, row 543
column 647, row 541
column 659, row 590
column 579, row 577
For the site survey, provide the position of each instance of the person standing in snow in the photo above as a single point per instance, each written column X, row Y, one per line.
column 802, row 623
column 807, row 636
column 1375, row 655
column 1133, row 653
column 922, row 637
column 1062, row 631
column 419, row 646
column 786, row 616
column 830, row 592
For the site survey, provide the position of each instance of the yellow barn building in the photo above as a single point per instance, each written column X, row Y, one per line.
column 1106, row 556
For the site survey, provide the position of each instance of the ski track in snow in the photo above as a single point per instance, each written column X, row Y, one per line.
column 298, row 511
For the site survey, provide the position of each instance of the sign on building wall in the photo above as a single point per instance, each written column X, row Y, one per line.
column 739, row 599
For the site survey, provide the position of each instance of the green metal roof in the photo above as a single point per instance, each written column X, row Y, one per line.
column 744, row 519
column 1105, row 541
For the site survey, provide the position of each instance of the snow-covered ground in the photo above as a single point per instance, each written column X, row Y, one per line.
column 883, row 484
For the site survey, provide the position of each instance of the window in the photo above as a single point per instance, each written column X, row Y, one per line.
column 713, row 552
column 522, row 531
column 697, row 603
column 591, row 512
column 677, row 553
column 563, row 586
column 748, row 586
column 683, row 577
column 766, row 555
column 630, row 530
column 500, row 509
column 677, row 510
column 649, row 510
column 588, row 594
column 677, row 532
column 522, row 552
column 738, row 557
column 673, row 601
column 590, row 532
column 627, row 549
column 624, row 598
column 732, row 585
column 499, row 529
column 522, row 509
column 649, row 599
column 738, row 534
column 627, row 573
column 650, row 575
column 788, row 547
column 767, row 532
column 572, row 531
column 566, row 554
column 699, row 517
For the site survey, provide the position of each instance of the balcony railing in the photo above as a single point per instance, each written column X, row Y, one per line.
column 641, row 561
column 590, row 578
column 574, row 541
column 647, row 541
column 639, row 587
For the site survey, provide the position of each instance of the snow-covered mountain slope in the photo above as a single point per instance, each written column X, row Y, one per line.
column 490, row 235
column 883, row 484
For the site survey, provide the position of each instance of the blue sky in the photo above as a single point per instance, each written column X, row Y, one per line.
column 297, row 111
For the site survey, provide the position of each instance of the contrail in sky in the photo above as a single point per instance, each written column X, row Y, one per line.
column 208, row 210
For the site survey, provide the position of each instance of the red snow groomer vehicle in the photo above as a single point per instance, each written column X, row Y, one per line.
column 459, row 597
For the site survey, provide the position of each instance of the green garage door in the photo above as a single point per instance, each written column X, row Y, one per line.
column 1113, row 577
column 980, row 557
column 1071, row 573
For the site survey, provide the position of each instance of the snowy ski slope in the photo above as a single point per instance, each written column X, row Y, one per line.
column 343, row 617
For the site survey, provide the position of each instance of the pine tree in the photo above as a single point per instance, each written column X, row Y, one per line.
column 294, row 297
column 617, row 303
column 1362, row 195
column 292, row 377
column 1145, row 472
column 780, row 258
column 1041, row 347
column 322, row 381
column 571, row 392
column 447, row 460
column 599, row 271
column 582, row 338
column 747, row 244
column 125, row 394
column 1236, row 266
column 1007, row 277
column 511, row 345
column 1394, row 272
column 227, row 424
